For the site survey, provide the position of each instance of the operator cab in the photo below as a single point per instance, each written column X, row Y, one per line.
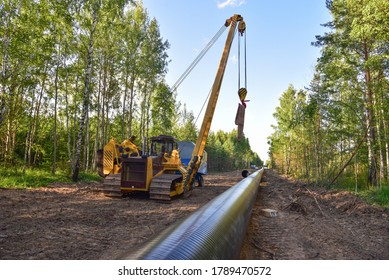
column 163, row 146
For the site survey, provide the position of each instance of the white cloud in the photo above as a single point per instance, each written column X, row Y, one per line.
column 231, row 3
column 234, row 59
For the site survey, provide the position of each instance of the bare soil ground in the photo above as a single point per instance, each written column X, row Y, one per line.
column 75, row 221
column 314, row 223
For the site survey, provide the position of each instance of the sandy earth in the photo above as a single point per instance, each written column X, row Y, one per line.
column 73, row 221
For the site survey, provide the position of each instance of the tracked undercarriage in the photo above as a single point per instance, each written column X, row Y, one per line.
column 111, row 185
column 162, row 187
column 165, row 186
column 161, row 178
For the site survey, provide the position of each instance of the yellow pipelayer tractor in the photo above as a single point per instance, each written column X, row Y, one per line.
column 161, row 172
column 110, row 158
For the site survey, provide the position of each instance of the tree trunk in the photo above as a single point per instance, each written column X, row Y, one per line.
column 131, row 109
column 75, row 112
column 380, row 149
column 148, row 114
column 102, row 108
column 28, row 137
column 85, row 163
column 386, row 140
column 106, row 129
column 67, row 121
column 96, row 145
column 142, row 114
column 3, row 93
column 124, row 107
column 104, row 102
column 55, row 114
column 85, row 106
column 33, row 125
column 6, row 42
column 350, row 159
column 386, row 148
column 372, row 168
column 318, row 152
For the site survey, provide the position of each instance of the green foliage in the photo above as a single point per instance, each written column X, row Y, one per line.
column 31, row 178
column 184, row 127
column 162, row 112
column 225, row 152
column 75, row 74
column 338, row 127
column 379, row 196
column 48, row 98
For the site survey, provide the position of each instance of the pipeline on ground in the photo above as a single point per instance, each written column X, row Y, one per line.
column 215, row 231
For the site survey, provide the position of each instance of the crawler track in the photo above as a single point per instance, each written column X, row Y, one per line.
column 161, row 186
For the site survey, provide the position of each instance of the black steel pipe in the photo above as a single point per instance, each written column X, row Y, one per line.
column 215, row 231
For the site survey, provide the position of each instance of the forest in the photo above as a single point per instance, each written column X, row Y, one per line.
column 335, row 130
column 74, row 74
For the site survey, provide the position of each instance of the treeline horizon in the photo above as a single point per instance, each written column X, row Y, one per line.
column 336, row 129
column 77, row 73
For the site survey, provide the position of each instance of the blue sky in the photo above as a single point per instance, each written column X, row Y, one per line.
column 279, row 53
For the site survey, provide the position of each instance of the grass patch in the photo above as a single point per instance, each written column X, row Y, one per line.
column 89, row 177
column 33, row 178
column 379, row 196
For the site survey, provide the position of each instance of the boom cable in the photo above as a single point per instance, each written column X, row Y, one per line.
column 210, row 90
column 199, row 57
column 245, row 61
column 238, row 62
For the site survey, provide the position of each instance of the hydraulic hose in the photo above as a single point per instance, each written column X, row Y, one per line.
column 214, row 231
